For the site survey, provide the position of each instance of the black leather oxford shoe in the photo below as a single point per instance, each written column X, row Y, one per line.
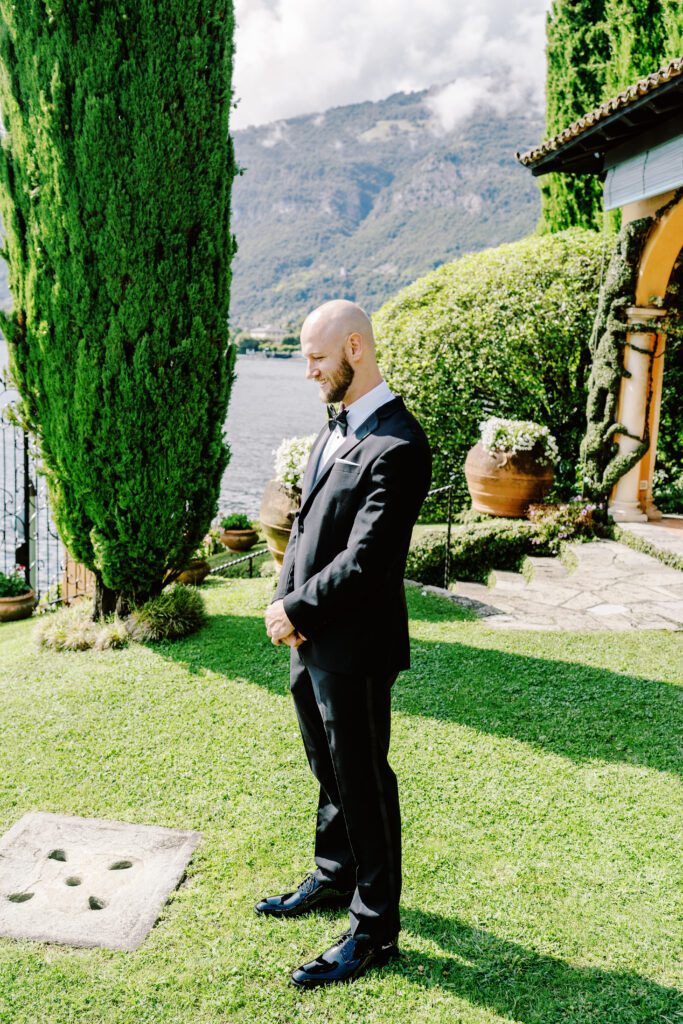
column 347, row 959
column 310, row 895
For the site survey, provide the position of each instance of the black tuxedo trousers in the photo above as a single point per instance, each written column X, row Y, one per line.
column 345, row 725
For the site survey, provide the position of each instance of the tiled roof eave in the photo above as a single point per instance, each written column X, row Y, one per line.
column 610, row 107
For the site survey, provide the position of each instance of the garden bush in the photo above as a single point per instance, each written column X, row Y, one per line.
column 476, row 548
column 71, row 628
column 178, row 611
column 480, row 543
column 503, row 332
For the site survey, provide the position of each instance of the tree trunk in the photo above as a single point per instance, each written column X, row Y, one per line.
column 109, row 602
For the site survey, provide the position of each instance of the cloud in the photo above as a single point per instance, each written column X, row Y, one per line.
column 276, row 135
column 303, row 56
column 510, row 75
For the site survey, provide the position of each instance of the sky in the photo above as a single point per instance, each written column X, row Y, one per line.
column 304, row 56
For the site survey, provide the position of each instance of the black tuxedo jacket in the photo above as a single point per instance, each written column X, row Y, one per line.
column 342, row 574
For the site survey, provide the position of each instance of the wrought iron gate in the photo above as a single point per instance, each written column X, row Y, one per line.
column 28, row 537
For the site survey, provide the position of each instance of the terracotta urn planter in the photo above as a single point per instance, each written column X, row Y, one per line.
column 196, row 570
column 279, row 506
column 504, row 484
column 239, row 540
column 17, row 607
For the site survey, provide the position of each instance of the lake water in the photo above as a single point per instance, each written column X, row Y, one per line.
column 271, row 399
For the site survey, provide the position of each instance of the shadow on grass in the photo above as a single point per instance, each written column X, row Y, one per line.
column 571, row 709
column 518, row 983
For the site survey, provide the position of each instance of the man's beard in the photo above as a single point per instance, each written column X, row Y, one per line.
column 338, row 383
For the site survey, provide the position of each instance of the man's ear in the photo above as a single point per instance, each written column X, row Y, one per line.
column 355, row 340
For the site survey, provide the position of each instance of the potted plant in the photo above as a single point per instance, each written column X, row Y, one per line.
column 282, row 495
column 198, row 566
column 238, row 532
column 510, row 467
column 17, row 599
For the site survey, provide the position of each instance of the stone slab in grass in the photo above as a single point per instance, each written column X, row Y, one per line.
column 88, row 882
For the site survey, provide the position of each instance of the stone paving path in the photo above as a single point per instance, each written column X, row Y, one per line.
column 612, row 588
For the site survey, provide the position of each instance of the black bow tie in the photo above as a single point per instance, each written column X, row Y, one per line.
column 338, row 421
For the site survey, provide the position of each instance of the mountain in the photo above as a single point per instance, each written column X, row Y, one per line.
column 361, row 200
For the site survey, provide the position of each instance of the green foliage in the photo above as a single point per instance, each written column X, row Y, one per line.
column 668, row 482
column 237, row 521
column 601, row 464
column 513, row 436
column 503, row 332
column 557, row 523
column 642, row 35
column 577, row 52
column 669, row 497
column 177, row 612
column 638, row 543
column 596, row 48
column 476, row 549
column 210, row 545
column 13, row 584
column 426, row 559
column 480, row 544
column 115, row 177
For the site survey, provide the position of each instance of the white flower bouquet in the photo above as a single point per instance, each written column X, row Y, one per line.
column 290, row 460
column 513, row 436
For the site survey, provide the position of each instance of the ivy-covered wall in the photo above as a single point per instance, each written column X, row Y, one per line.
column 601, row 463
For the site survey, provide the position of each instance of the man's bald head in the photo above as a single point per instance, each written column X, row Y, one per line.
column 339, row 345
column 334, row 321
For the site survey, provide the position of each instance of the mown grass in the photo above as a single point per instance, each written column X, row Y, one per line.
column 541, row 800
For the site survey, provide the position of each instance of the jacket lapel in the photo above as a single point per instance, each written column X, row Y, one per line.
column 319, row 443
column 353, row 439
column 308, row 489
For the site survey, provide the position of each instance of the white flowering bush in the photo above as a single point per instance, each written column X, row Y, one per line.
column 290, row 460
column 513, row 436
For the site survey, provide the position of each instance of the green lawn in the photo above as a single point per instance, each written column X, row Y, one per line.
column 541, row 802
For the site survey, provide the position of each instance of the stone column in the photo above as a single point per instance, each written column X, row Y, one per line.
column 641, row 343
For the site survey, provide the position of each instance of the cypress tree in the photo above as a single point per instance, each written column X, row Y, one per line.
column 635, row 31
column 672, row 21
column 576, row 53
column 115, row 174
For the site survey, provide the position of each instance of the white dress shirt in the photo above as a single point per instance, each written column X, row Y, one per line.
column 357, row 413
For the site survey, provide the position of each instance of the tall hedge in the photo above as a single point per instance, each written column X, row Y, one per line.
column 115, row 175
column 503, row 332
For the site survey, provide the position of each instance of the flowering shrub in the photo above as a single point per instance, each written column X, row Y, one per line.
column 13, row 584
column 512, row 436
column 210, row 545
column 290, row 460
column 555, row 523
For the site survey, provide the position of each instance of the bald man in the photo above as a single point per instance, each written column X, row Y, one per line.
column 340, row 606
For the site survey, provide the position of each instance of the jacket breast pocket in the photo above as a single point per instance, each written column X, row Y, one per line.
column 344, row 474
